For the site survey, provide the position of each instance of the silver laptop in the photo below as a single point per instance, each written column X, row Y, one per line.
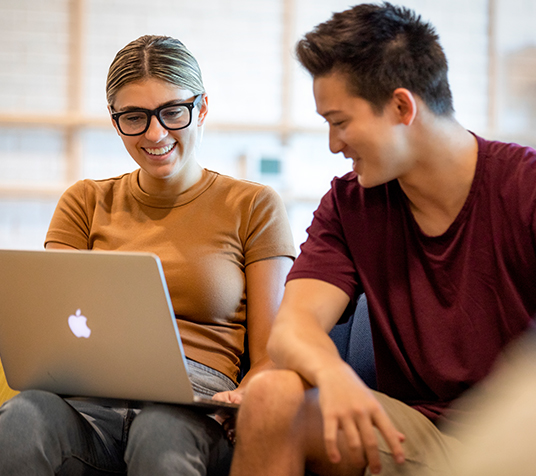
column 92, row 324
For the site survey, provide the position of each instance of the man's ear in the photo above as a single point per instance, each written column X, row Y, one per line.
column 113, row 122
column 203, row 109
column 406, row 105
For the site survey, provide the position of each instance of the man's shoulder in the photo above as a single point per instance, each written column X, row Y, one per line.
column 346, row 185
column 347, row 191
column 506, row 151
column 347, row 180
column 507, row 166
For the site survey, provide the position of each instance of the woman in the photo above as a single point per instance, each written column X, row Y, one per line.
column 216, row 237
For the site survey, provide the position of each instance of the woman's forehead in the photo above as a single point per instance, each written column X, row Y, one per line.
column 149, row 93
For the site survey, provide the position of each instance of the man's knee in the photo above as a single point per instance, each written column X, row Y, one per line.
column 272, row 404
column 279, row 389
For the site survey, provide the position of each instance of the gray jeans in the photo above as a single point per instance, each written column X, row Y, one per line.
column 43, row 434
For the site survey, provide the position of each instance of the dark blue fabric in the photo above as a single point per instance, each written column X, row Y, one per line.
column 354, row 341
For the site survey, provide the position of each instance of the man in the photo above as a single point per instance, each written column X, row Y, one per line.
column 434, row 224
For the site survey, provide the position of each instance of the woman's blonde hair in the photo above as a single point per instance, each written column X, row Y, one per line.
column 150, row 56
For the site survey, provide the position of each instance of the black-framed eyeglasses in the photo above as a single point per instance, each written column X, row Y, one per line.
column 173, row 117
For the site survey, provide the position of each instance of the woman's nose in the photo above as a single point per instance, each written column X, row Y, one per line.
column 156, row 131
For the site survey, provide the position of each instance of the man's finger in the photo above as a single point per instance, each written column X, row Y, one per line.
column 370, row 445
column 354, row 442
column 331, row 427
column 392, row 436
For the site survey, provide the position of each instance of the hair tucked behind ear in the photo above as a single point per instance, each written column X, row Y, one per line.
column 160, row 57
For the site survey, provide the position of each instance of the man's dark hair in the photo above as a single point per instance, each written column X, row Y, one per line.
column 380, row 48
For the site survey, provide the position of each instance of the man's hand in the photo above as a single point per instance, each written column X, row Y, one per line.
column 300, row 342
column 347, row 404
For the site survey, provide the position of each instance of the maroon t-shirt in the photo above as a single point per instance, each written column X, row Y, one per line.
column 441, row 308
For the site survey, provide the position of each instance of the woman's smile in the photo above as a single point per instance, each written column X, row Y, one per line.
column 160, row 152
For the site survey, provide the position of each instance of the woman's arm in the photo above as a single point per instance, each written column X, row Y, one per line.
column 265, row 283
column 58, row 246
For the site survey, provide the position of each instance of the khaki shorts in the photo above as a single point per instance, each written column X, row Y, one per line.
column 428, row 450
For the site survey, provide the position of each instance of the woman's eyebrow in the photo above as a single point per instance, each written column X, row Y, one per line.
column 172, row 102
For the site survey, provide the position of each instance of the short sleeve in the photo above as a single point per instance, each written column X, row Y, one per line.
column 325, row 255
column 70, row 224
column 268, row 230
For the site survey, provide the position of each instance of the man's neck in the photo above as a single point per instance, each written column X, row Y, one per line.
column 441, row 180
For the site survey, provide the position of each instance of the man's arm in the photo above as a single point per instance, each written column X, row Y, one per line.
column 300, row 342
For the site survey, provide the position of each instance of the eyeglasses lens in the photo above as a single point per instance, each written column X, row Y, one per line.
column 172, row 117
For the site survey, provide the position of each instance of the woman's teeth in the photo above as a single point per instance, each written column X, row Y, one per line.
column 161, row 150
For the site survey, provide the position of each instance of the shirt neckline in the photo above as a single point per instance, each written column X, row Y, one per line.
column 159, row 201
column 466, row 208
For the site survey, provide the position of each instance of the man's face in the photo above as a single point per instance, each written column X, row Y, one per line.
column 374, row 141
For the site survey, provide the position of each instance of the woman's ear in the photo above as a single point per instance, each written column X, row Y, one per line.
column 203, row 109
column 406, row 105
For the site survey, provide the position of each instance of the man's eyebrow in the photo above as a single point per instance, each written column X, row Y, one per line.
column 326, row 114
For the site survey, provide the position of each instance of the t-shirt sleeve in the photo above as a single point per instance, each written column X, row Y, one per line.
column 70, row 224
column 268, row 229
column 325, row 255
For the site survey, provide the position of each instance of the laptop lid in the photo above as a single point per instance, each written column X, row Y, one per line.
column 91, row 324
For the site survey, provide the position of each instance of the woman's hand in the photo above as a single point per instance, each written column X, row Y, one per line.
column 231, row 396
column 226, row 420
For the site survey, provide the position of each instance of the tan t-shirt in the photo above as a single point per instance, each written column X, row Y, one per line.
column 205, row 237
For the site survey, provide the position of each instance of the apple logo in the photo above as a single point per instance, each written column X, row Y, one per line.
column 77, row 323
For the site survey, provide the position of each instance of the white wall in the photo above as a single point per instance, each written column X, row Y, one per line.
column 238, row 44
